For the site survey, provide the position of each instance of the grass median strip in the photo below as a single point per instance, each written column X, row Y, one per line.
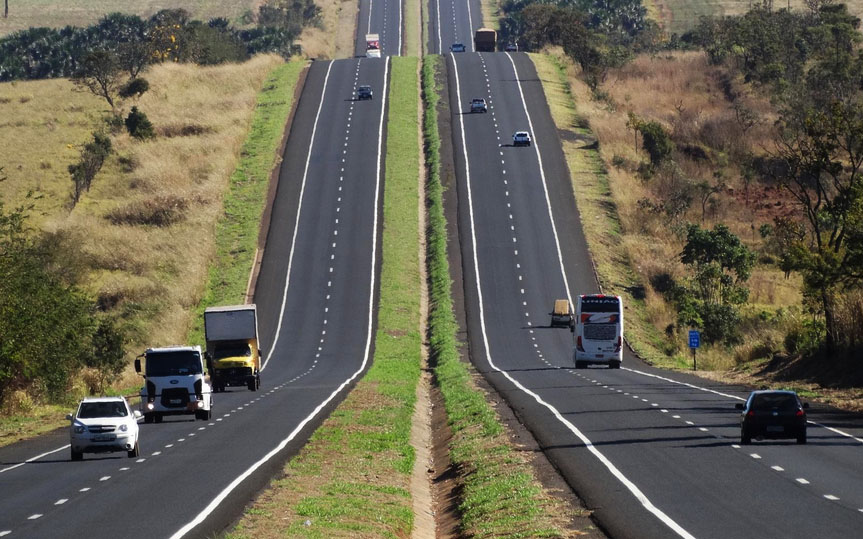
column 500, row 495
column 353, row 476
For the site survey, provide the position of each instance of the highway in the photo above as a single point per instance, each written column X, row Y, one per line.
column 317, row 298
column 652, row 453
column 452, row 21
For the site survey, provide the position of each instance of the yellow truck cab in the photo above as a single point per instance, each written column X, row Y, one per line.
column 233, row 354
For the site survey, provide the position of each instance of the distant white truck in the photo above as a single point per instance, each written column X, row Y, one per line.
column 373, row 46
column 233, row 356
column 175, row 383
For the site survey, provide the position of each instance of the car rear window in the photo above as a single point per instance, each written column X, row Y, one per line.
column 774, row 402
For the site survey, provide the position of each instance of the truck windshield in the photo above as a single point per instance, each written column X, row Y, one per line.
column 173, row 363
column 232, row 351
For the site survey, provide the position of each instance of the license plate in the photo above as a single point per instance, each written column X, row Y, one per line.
column 775, row 428
column 176, row 401
column 103, row 438
column 600, row 355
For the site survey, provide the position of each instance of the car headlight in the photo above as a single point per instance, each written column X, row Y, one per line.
column 124, row 427
column 79, row 429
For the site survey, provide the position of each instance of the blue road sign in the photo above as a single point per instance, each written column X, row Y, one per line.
column 694, row 338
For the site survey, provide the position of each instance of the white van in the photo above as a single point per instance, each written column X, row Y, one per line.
column 598, row 331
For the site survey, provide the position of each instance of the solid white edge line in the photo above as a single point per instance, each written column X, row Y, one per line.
column 645, row 502
column 297, row 222
column 470, row 27
column 400, row 28
column 242, row 477
column 735, row 397
column 439, row 39
column 544, row 183
column 37, row 457
column 369, row 26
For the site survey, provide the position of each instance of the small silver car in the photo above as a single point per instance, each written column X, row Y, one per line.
column 104, row 425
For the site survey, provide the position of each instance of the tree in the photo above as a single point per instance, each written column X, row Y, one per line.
column 822, row 147
column 45, row 323
column 139, row 125
column 720, row 265
column 108, row 355
column 100, row 74
column 93, row 155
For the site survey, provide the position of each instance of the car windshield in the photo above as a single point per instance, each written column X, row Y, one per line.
column 90, row 410
column 173, row 363
column 774, row 401
column 233, row 351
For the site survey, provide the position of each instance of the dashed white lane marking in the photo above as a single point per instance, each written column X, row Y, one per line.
column 124, row 468
column 614, row 470
column 181, row 439
column 831, row 497
column 778, row 468
column 755, row 455
column 104, row 478
column 220, row 497
column 140, row 460
column 4, row 533
column 664, row 411
column 676, row 416
column 85, row 489
column 689, row 423
column 735, row 446
column 157, row 453
column 169, row 445
column 702, row 429
column 61, row 501
column 34, row 516
column 802, row 481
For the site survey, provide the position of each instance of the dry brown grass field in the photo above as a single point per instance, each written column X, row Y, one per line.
column 684, row 93
column 57, row 14
column 335, row 36
column 678, row 16
column 154, row 275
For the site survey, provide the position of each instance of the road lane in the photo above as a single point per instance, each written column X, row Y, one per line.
column 646, row 472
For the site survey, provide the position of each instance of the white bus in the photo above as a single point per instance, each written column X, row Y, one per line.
column 598, row 331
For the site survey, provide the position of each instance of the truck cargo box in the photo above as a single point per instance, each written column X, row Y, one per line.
column 232, row 323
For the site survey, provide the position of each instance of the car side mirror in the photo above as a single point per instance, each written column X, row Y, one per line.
column 806, row 405
column 739, row 405
column 137, row 414
column 138, row 365
column 69, row 417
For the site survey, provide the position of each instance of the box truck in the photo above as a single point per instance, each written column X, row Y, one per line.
column 485, row 40
column 233, row 354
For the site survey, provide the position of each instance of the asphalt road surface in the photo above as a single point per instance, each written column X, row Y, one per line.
column 452, row 21
column 316, row 298
column 654, row 454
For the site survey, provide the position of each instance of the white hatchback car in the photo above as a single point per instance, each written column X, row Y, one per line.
column 103, row 425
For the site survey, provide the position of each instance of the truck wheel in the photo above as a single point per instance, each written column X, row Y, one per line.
column 148, row 418
column 135, row 451
column 157, row 418
column 614, row 365
column 77, row 455
column 251, row 385
column 580, row 365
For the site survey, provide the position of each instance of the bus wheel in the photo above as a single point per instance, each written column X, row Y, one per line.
column 614, row 365
column 580, row 365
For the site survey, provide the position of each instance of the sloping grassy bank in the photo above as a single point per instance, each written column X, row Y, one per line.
column 243, row 205
column 500, row 496
column 353, row 476
column 598, row 210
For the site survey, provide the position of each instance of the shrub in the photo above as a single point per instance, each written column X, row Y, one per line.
column 134, row 88
column 161, row 211
column 138, row 125
column 92, row 157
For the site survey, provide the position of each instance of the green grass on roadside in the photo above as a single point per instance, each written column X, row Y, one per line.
column 237, row 230
column 599, row 218
column 500, row 496
column 353, row 476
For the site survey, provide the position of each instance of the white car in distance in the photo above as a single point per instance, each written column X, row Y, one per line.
column 104, row 425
